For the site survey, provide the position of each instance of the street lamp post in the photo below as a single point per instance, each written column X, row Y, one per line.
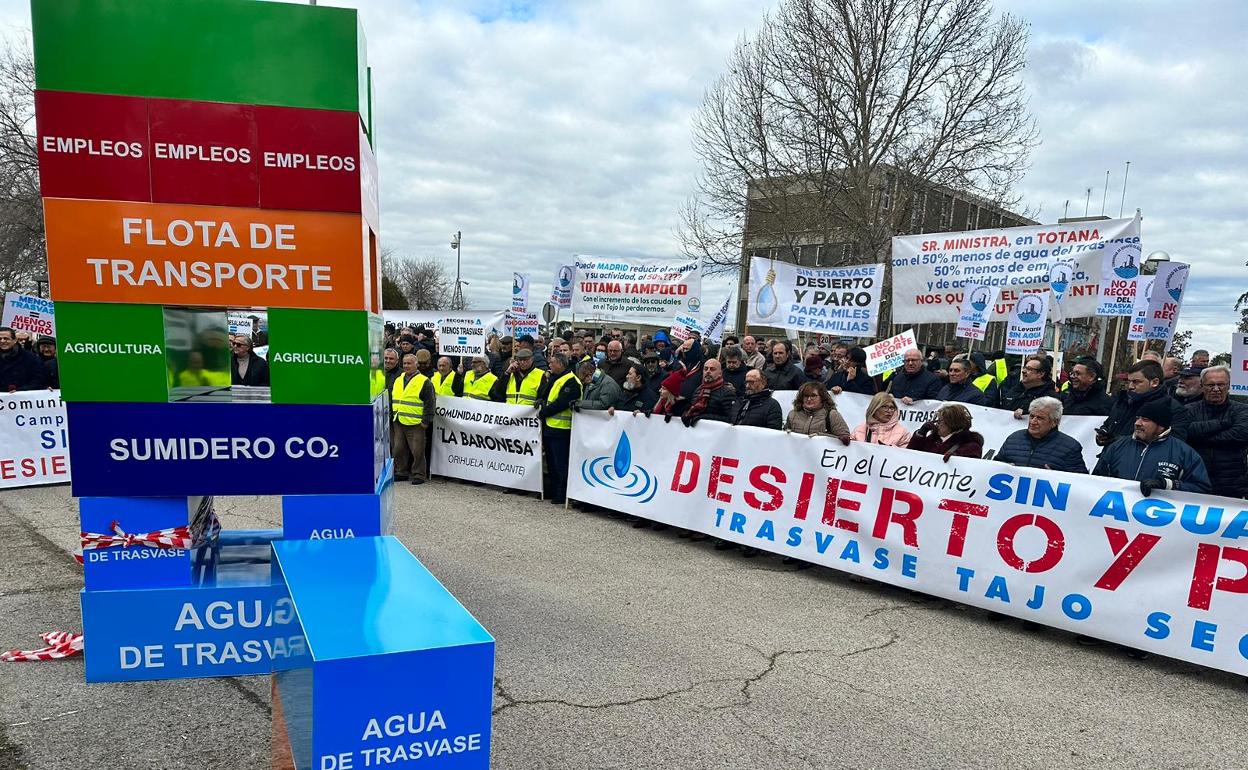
column 457, row 299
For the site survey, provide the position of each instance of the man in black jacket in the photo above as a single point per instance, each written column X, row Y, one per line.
column 1034, row 378
column 959, row 387
column 1086, row 395
column 247, row 368
column 913, row 381
column 782, row 373
column 558, row 392
column 19, row 368
column 1219, row 433
column 1143, row 387
column 734, row 367
column 51, row 367
column 757, row 408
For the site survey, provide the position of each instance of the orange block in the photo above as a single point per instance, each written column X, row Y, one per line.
column 167, row 254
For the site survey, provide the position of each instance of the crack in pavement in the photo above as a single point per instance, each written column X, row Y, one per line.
column 75, row 586
column 893, row 640
column 512, row 701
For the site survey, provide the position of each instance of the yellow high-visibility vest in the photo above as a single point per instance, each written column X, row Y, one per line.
column 562, row 420
column 479, row 387
column 888, row 374
column 1003, row 370
column 527, row 394
column 405, row 399
column 444, row 385
column 983, row 381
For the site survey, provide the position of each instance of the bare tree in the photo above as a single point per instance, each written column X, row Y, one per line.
column 425, row 282
column 837, row 114
column 23, row 256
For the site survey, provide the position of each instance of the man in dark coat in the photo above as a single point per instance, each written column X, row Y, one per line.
column 782, row 373
column 757, row 408
column 247, row 368
column 1152, row 455
column 734, row 367
column 1143, row 387
column 1219, row 433
column 1042, row 445
column 19, row 368
column 1086, row 396
column 913, row 381
column 51, row 368
column 1034, row 379
column 959, row 387
column 713, row 398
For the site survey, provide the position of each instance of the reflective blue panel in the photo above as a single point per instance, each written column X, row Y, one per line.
column 370, row 596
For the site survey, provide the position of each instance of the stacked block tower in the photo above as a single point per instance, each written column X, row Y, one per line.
column 197, row 157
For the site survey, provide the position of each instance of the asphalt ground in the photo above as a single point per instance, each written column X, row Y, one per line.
column 633, row 648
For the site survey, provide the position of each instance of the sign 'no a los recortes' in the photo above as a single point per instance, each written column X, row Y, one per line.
column 105, row 251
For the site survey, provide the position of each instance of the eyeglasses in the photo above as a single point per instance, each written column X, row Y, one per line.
column 1035, row 369
column 239, row 344
column 1214, row 386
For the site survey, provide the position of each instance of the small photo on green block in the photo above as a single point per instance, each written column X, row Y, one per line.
column 112, row 352
column 324, row 356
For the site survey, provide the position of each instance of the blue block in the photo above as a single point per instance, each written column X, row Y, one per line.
column 322, row 517
column 178, row 633
column 135, row 566
column 172, row 450
column 395, row 670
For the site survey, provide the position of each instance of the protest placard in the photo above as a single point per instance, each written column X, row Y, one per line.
column 22, row 312
column 836, row 300
column 887, row 355
column 649, row 291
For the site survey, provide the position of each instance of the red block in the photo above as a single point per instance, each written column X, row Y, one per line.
column 92, row 146
column 204, row 153
column 309, row 159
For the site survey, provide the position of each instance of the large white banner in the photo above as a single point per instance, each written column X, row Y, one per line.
column 1090, row 555
column 22, row 312
column 34, row 439
column 843, row 301
column 499, row 444
column 1239, row 364
column 493, row 321
column 930, row 270
column 995, row 425
column 649, row 291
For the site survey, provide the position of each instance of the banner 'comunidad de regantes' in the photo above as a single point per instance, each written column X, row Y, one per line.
column 640, row 290
column 826, row 300
column 930, row 270
column 486, row 442
column 34, row 439
column 1090, row 555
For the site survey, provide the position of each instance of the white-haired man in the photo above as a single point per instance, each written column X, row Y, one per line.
column 1041, row 444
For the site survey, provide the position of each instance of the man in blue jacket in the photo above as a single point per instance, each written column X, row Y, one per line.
column 1042, row 445
column 1154, row 457
column 913, row 382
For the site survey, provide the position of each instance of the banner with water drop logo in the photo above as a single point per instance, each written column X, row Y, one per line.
column 1166, row 301
column 1024, row 332
column 843, row 301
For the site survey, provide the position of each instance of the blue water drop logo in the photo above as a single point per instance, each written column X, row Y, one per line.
column 767, row 302
column 623, row 457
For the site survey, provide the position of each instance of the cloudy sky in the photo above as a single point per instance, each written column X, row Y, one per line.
column 543, row 129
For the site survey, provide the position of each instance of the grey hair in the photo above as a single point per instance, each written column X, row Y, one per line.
column 585, row 366
column 561, row 358
column 1047, row 404
column 1219, row 368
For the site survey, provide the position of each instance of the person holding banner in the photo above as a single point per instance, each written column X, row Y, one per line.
column 600, row 390
column 782, row 373
column 561, row 390
column 959, row 387
column 412, row 401
column 853, row 376
column 1034, row 379
column 883, row 424
column 1153, row 455
column 1041, row 444
column 757, row 408
column 814, row 414
column 712, row 399
column 1143, row 388
column 950, row 433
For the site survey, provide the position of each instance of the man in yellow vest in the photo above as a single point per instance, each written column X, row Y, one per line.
column 445, row 381
column 521, row 381
column 479, row 379
column 559, row 391
column 412, row 399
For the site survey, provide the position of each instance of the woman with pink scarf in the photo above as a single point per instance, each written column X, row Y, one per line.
column 883, row 425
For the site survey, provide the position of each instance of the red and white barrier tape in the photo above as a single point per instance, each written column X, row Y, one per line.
column 60, row 644
column 173, row 537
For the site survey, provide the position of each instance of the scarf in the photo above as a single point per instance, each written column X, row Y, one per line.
column 702, row 397
column 874, row 425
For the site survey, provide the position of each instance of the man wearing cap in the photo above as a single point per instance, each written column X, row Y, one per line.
column 1153, row 456
column 913, row 381
column 983, row 379
column 479, row 379
column 526, row 342
column 1086, row 396
column 1219, row 433
column 652, row 367
column 51, row 368
column 1188, row 389
column 521, row 382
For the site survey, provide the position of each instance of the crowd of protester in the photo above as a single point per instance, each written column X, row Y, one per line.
column 1171, row 426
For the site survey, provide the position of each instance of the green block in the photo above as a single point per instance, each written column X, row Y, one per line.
column 325, row 356
column 241, row 51
column 111, row 352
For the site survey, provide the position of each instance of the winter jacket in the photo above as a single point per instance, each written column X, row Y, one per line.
column 1167, row 458
column 719, row 405
column 601, row 393
column 886, row 434
column 1056, row 450
column 862, row 382
column 21, row 370
column 618, row 370
column 1219, row 434
column 736, row 378
column 787, row 377
column 821, row 422
column 759, row 410
column 1023, row 400
column 1093, row 402
column 754, row 360
column 966, row 393
column 964, row 443
column 1121, row 420
column 257, row 371
column 917, row 387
